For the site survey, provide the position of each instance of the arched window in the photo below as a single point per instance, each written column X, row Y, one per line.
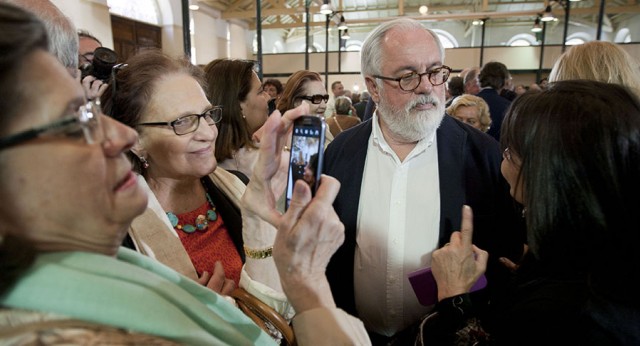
column 353, row 46
column 314, row 48
column 623, row 36
column 577, row 38
column 141, row 10
column 522, row 40
column 448, row 41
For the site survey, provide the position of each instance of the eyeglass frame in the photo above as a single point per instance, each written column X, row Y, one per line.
column 324, row 98
column 60, row 126
column 429, row 73
column 201, row 115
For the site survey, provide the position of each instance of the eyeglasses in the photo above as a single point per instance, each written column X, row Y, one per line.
column 411, row 81
column 189, row 123
column 84, row 122
column 316, row 99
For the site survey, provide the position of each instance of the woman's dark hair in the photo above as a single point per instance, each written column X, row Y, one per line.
column 578, row 146
column 22, row 35
column 228, row 84
column 134, row 86
column 293, row 88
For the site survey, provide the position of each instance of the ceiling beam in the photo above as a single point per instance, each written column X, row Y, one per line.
column 463, row 16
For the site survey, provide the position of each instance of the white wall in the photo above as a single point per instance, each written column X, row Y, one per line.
column 90, row 15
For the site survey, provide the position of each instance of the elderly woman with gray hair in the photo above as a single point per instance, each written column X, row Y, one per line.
column 345, row 116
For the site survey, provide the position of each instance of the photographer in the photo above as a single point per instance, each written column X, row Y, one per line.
column 95, row 64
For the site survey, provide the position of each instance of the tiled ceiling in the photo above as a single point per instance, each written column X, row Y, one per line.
column 362, row 15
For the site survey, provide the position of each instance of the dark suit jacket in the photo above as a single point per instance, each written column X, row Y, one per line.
column 469, row 171
column 360, row 108
column 497, row 108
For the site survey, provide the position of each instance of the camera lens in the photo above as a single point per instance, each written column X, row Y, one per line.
column 103, row 60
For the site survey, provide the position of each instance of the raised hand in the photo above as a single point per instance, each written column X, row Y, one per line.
column 458, row 265
column 309, row 233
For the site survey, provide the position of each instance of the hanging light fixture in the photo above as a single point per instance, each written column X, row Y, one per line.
column 326, row 8
column 345, row 35
column 343, row 23
column 477, row 22
column 536, row 26
column 424, row 9
column 547, row 16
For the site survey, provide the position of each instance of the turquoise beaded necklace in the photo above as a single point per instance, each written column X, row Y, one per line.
column 201, row 222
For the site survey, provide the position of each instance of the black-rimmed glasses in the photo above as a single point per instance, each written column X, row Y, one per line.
column 83, row 122
column 411, row 81
column 316, row 99
column 189, row 123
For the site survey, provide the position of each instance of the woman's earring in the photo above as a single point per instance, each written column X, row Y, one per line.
column 144, row 162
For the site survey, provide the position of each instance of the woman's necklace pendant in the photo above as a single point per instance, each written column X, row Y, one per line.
column 201, row 222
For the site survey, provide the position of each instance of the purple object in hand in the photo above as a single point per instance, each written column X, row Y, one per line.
column 426, row 289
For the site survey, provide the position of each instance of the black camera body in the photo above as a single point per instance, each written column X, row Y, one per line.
column 103, row 61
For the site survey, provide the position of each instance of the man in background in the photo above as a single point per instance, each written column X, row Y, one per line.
column 274, row 88
column 470, row 80
column 61, row 33
column 360, row 106
column 88, row 44
column 337, row 89
column 493, row 78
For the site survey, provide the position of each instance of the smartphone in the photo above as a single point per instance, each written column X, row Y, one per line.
column 307, row 149
column 425, row 287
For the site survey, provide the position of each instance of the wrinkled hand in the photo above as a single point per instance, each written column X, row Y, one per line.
column 93, row 87
column 269, row 179
column 309, row 233
column 217, row 281
column 459, row 264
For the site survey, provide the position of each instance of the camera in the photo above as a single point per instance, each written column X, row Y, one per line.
column 103, row 61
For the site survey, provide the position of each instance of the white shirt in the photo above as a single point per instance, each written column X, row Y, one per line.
column 397, row 230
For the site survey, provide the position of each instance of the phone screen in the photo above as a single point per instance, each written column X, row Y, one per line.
column 307, row 148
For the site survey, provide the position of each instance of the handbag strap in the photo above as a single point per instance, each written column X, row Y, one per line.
column 264, row 316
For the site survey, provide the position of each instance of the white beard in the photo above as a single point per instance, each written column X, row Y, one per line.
column 411, row 125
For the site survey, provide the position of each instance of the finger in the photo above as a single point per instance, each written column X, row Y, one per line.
column 299, row 200
column 292, row 114
column 204, row 278
column 227, row 287
column 508, row 263
column 328, row 189
column 102, row 88
column 480, row 255
column 466, row 231
column 88, row 80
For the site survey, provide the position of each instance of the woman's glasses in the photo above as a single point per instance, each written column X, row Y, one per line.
column 84, row 122
column 316, row 99
column 189, row 123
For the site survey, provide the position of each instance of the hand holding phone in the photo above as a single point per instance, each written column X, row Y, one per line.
column 307, row 149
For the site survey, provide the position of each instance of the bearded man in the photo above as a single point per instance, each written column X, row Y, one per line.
column 405, row 176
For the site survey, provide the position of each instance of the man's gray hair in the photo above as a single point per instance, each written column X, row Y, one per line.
column 62, row 34
column 371, row 53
